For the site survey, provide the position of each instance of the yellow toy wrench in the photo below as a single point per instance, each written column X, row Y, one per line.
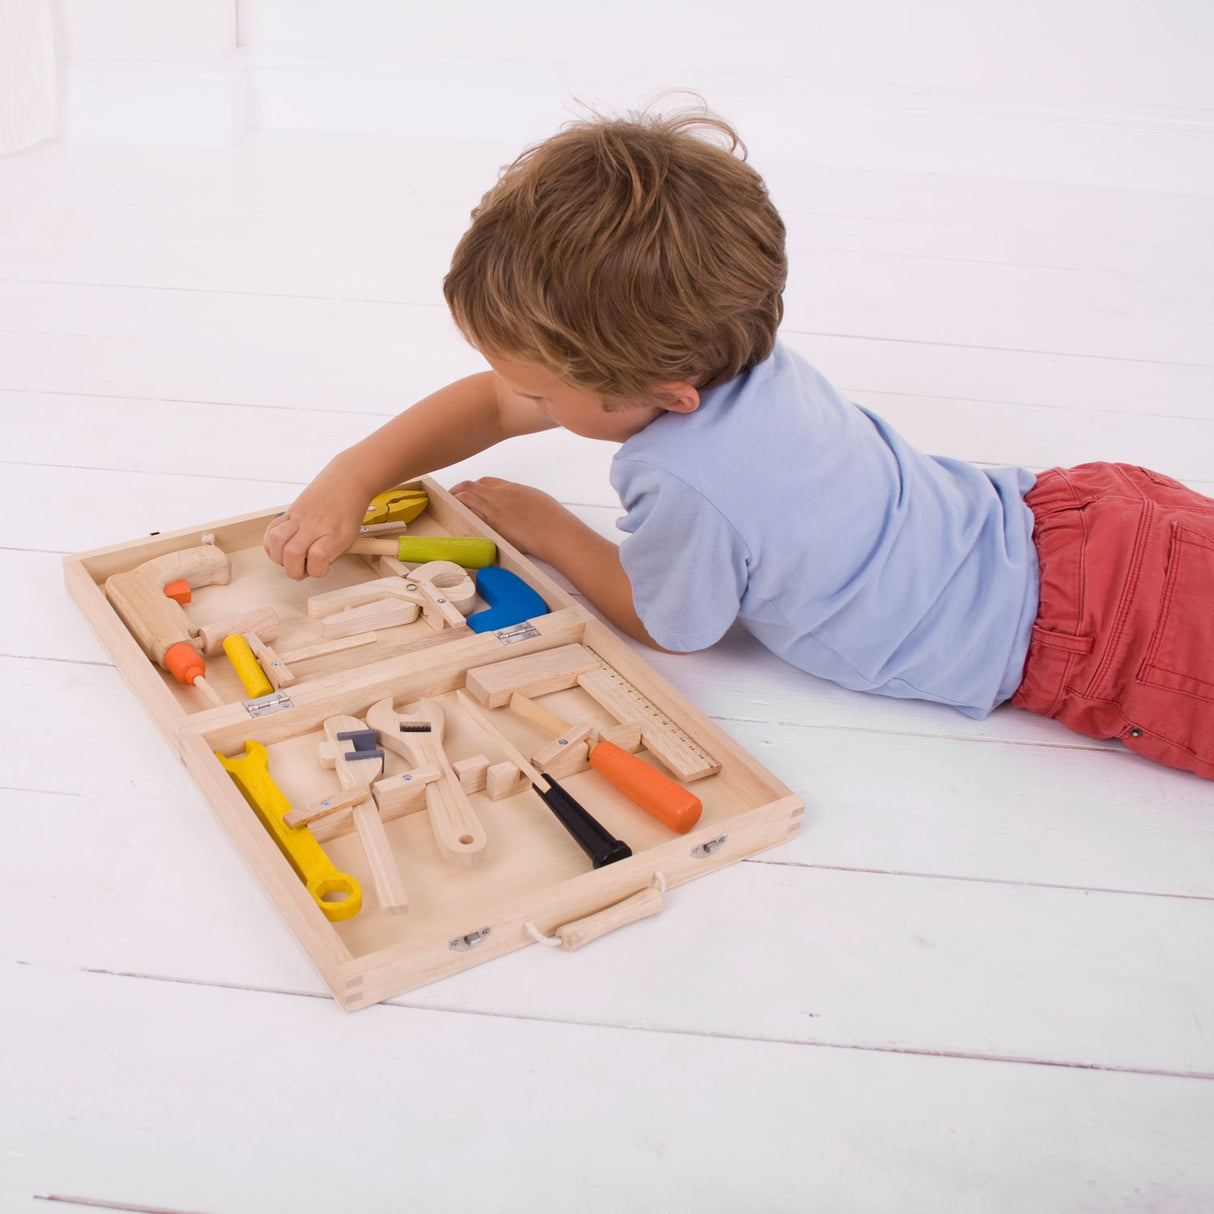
column 337, row 894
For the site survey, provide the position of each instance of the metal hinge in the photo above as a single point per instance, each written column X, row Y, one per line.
column 276, row 701
column 518, row 632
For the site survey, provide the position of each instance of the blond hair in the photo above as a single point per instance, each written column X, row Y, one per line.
column 622, row 254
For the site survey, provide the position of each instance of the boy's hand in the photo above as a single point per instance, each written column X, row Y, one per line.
column 524, row 516
column 318, row 527
column 541, row 527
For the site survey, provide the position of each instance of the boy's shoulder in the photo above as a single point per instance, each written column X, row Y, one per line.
column 779, row 402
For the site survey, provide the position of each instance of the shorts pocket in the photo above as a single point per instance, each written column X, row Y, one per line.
column 1181, row 653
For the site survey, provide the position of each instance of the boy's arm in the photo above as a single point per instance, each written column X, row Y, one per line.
column 450, row 425
column 540, row 526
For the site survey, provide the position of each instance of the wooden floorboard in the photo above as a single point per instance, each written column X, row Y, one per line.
column 978, row 979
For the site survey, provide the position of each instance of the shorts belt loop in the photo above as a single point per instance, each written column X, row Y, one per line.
column 1062, row 640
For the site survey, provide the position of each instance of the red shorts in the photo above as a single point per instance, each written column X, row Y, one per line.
column 1123, row 645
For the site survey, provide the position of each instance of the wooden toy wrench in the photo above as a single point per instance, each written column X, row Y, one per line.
column 350, row 750
column 337, row 894
column 419, row 739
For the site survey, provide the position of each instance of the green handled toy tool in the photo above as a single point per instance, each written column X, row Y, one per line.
column 470, row 551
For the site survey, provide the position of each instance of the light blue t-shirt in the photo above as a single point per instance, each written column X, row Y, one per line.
column 840, row 547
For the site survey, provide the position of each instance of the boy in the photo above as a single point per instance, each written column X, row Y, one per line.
column 623, row 280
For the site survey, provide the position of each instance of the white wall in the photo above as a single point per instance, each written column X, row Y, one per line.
column 151, row 71
column 1100, row 91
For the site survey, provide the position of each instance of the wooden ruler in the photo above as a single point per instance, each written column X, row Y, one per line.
column 660, row 735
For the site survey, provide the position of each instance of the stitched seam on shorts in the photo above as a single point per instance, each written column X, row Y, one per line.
column 1063, row 687
column 1161, row 620
column 1126, row 722
column 1159, row 737
column 1181, row 540
column 1127, row 595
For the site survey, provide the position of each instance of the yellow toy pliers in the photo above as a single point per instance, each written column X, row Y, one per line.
column 396, row 506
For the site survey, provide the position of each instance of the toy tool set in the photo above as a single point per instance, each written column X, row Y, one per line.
column 432, row 756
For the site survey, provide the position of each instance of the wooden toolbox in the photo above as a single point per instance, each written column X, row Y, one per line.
column 399, row 706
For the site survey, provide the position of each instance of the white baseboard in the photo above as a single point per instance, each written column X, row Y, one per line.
column 183, row 104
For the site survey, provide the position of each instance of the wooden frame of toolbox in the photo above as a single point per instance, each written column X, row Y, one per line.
column 531, row 879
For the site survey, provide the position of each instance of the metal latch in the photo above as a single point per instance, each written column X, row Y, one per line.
column 708, row 847
column 276, row 701
column 461, row 944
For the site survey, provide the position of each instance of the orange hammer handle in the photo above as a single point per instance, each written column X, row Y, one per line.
column 657, row 794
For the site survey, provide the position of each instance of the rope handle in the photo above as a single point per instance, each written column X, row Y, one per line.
column 640, row 905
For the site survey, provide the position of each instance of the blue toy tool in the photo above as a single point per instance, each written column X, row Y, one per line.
column 510, row 599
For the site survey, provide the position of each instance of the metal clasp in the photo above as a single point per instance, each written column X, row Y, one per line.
column 461, row 944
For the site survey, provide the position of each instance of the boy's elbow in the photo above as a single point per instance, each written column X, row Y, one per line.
column 641, row 634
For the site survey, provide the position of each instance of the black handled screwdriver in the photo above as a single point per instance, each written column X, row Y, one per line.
column 592, row 837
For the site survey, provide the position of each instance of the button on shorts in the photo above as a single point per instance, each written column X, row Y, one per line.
column 1123, row 644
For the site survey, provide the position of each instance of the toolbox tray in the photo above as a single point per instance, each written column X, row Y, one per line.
column 531, row 881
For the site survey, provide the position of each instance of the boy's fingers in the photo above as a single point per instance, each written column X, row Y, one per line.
column 295, row 556
column 277, row 533
column 322, row 554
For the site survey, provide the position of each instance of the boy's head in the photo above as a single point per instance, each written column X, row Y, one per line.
column 622, row 254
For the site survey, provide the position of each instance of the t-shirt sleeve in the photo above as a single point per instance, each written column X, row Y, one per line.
column 686, row 563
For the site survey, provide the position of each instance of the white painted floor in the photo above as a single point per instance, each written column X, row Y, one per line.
column 980, row 980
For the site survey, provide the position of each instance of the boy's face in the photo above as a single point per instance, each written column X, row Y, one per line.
column 572, row 409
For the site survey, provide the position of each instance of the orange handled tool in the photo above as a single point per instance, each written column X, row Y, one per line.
column 653, row 791
column 656, row 793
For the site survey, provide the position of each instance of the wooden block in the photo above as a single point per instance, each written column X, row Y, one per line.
column 626, row 736
column 276, row 669
column 533, row 674
column 307, row 814
column 504, row 780
column 471, row 773
column 405, row 793
column 566, row 755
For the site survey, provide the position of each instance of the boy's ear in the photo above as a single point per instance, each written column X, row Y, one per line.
column 678, row 397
